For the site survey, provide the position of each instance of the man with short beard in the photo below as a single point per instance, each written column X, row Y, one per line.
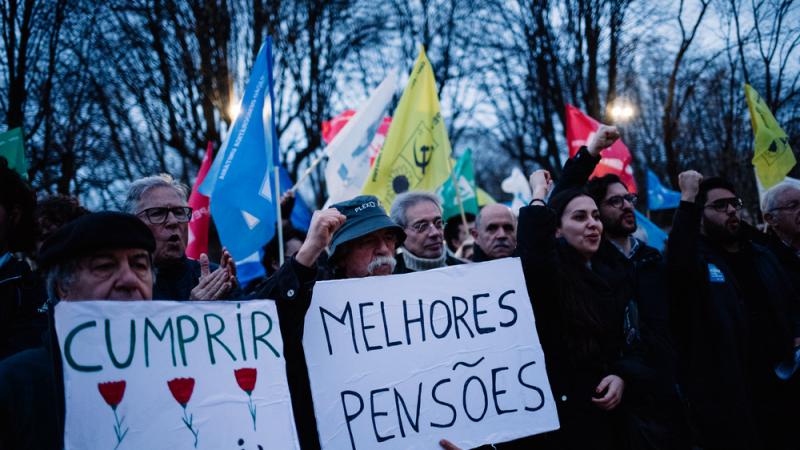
column 361, row 241
column 736, row 319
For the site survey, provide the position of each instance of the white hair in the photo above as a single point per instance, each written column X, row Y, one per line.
column 137, row 189
column 770, row 200
column 408, row 199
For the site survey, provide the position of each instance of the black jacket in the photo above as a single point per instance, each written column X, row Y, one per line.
column 553, row 268
column 710, row 322
column 32, row 397
column 656, row 416
column 291, row 287
column 22, row 296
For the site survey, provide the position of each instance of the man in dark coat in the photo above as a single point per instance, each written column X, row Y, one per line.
column 361, row 241
column 495, row 233
column 781, row 209
column 420, row 216
column 160, row 202
column 637, row 272
column 21, row 291
column 736, row 318
column 100, row 256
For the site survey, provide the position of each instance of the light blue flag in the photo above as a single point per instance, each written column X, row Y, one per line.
column 240, row 181
column 301, row 214
column 658, row 196
column 656, row 237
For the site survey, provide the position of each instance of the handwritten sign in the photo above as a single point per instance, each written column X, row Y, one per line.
column 178, row 375
column 400, row 362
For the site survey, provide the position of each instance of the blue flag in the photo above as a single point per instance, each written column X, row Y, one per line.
column 240, row 181
column 656, row 237
column 658, row 196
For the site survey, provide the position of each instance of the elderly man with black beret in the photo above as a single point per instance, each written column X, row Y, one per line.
column 99, row 256
column 361, row 240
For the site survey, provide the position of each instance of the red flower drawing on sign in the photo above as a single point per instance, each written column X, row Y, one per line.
column 112, row 392
column 181, row 389
column 246, row 378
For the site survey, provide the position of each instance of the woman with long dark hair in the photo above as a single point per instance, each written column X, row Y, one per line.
column 581, row 321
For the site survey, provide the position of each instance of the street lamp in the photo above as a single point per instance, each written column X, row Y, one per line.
column 233, row 109
column 621, row 110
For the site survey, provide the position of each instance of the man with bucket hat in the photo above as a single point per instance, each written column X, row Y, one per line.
column 361, row 240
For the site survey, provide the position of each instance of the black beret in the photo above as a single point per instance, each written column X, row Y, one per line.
column 92, row 232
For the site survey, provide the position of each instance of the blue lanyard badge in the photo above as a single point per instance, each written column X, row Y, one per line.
column 714, row 274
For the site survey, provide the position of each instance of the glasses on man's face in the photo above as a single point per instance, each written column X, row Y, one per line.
column 618, row 201
column 158, row 215
column 791, row 206
column 722, row 204
column 424, row 225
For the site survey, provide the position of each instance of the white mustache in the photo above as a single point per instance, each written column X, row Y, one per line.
column 379, row 261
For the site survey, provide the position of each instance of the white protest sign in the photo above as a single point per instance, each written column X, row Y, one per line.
column 399, row 362
column 177, row 375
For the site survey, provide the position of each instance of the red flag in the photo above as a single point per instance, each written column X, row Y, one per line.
column 615, row 159
column 331, row 128
column 201, row 217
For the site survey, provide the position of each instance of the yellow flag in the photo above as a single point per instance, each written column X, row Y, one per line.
column 414, row 154
column 773, row 156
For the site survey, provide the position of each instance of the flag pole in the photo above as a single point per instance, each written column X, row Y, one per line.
column 308, row 172
column 279, row 221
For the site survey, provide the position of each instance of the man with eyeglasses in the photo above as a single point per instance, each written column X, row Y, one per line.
column 736, row 319
column 160, row 202
column 420, row 216
column 781, row 209
column 637, row 271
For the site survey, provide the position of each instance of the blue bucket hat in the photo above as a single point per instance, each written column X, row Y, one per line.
column 364, row 215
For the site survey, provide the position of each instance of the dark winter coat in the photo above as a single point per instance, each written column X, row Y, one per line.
column 22, row 296
column 32, row 399
column 710, row 322
column 291, row 286
column 656, row 418
column 552, row 269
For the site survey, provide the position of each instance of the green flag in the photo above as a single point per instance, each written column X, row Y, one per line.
column 13, row 150
column 464, row 173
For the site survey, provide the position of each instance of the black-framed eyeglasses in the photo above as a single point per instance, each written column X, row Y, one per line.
column 618, row 201
column 721, row 205
column 158, row 215
column 791, row 206
column 424, row 225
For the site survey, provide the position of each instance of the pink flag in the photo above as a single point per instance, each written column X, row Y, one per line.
column 201, row 217
column 615, row 159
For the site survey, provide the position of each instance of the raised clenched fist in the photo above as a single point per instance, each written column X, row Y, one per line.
column 689, row 183
column 603, row 138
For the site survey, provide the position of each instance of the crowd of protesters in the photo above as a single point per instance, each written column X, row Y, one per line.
column 693, row 348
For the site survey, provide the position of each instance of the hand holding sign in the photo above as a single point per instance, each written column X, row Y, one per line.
column 397, row 362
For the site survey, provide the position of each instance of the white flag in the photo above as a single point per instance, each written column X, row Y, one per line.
column 517, row 185
column 349, row 152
